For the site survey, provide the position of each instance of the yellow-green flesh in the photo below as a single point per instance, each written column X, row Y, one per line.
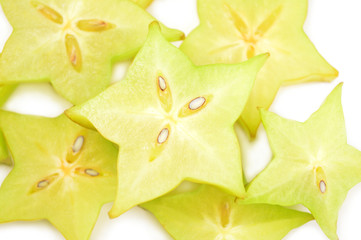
column 232, row 31
column 210, row 214
column 72, row 44
column 62, row 172
column 312, row 165
column 162, row 141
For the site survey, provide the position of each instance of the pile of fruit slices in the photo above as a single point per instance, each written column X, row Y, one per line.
column 171, row 119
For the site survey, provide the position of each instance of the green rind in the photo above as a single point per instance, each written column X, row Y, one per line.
column 208, row 213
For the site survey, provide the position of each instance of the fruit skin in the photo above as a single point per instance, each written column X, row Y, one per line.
column 5, row 92
column 75, row 60
column 251, row 27
column 43, row 148
column 143, row 3
column 133, row 112
column 208, row 213
column 312, row 165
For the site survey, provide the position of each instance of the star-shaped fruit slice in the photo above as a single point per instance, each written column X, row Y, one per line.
column 172, row 121
column 312, row 165
column 72, row 44
column 5, row 92
column 232, row 31
column 208, row 213
column 62, row 172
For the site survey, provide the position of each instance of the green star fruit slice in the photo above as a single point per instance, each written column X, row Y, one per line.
column 232, row 31
column 62, row 172
column 5, row 92
column 208, row 213
column 173, row 121
column 312, row 165
column 143, row 3
column 72, row 44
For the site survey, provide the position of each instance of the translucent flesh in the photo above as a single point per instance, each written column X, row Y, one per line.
column 208, row 213
column 231, row 31
column 37, row 48
column 201, row 146
column 43, row 186
column 306, row 154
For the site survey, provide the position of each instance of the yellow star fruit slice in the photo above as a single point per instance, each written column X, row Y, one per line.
column 62, row 172
column 5, row 92
column 208, row 213
column 172, row 121
column 233, row 31
column 72, row 44
column 312, row 165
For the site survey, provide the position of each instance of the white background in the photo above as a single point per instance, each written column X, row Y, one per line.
column 334, row 26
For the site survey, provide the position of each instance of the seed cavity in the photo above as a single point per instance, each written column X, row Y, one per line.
column 163, row 136
column 322, row 186
column 164, row 93
column 197, row 103
column 320, row 179
column 73, row 51
column 44, row 183
column 78, row 144
column 251, row 51
column 94, row 25
column 268, row 22
column 48, row 12
column 225, row 210
column 87, row 172
column 237, row 20
column 162, row 84
column 160, row 144
column 194, row 106
column 91, row 172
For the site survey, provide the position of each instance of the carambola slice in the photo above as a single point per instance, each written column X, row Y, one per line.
column 210, row 214
column 232, row 31
column 72, row 44
column 312, row 165
column 172, row 121
column 62, row 172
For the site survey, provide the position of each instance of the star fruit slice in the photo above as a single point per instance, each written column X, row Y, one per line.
column 143, row 3
column 233, row 31
column 313, row 165
column 208, row 213
column 72, row 44
column 172, row 121
column 5, row 92
column 63, row 173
